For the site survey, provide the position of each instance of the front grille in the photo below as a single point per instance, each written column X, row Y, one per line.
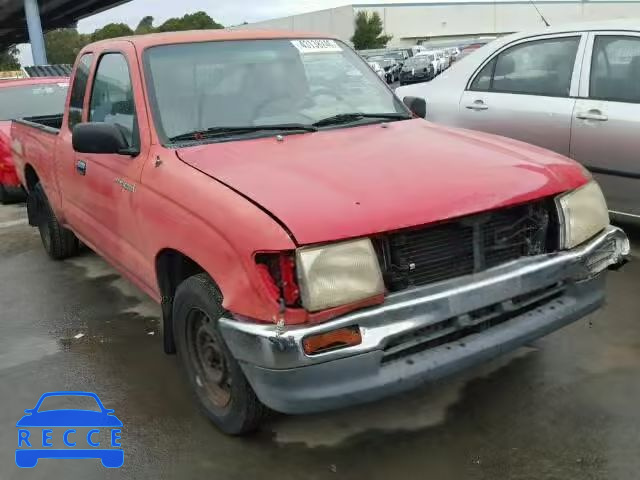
column 477, row 321
column 466, row 245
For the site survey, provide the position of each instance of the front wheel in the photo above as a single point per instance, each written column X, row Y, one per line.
column 214, row 374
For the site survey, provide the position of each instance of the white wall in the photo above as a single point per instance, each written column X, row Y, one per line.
column 335, row 21
column 407, row 23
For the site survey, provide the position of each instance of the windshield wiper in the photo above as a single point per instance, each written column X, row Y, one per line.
column 342, row 118
column 221, row 131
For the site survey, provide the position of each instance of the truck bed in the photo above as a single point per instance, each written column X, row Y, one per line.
column 34, row 142
column 47, row 123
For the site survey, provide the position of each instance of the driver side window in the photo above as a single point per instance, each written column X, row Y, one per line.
column 112, row 97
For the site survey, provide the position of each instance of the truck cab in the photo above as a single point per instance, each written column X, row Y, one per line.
column 312, row 243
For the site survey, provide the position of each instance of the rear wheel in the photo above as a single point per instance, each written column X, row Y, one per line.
column 214, row 375
column 3, row 195
column 58, row 242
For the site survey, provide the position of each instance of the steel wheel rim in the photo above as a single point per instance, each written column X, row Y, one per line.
column 208, row 358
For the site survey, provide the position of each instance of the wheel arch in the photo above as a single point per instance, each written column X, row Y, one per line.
column 172, row 268
column 31, row 177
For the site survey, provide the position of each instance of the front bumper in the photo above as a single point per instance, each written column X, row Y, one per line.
column 428, row 332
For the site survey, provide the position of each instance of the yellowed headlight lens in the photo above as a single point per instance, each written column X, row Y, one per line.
column 584, row 214
column 338, row 274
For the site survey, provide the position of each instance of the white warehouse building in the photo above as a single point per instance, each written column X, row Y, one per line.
column 413, row 23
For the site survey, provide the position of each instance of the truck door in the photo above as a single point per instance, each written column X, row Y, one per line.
column 109, row 181
column 68, row 177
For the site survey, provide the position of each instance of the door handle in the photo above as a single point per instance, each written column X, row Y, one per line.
column 477, row 105
column 592, row 115
column 81, row 167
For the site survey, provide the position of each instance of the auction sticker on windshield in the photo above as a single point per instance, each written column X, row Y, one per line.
column 316, row 45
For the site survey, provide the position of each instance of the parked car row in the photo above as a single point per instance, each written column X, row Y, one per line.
column 571, row 89
column 405, row 66
column 390, row 65
column 325, row 275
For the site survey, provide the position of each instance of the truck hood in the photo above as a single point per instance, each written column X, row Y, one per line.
column 350, row 182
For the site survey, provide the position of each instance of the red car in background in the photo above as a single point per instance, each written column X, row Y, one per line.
column 24, row 98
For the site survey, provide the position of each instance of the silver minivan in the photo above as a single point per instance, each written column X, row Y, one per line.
column 573, row 89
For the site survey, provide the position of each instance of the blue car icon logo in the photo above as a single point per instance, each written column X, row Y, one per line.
column 39, row 428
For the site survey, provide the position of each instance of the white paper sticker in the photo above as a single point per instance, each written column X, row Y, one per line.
column 316, row 45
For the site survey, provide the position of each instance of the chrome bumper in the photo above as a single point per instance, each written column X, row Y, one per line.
column 533, row 296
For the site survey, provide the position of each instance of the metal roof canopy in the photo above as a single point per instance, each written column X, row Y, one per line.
column 53, row 14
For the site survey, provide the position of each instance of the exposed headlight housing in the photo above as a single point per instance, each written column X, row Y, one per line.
column 583, row 214
column 338, row 274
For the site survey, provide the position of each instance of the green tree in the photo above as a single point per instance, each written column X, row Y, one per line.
column 111, row 30
column 64, row 44
column 145, row 26
column 9, row 59
column 369, row 32
column 191, row 21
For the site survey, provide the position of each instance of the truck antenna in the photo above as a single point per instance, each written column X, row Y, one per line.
column 540, row 13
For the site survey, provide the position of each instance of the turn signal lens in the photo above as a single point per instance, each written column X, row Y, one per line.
column 325, row 342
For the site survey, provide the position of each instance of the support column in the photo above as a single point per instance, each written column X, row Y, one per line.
column 36, row 37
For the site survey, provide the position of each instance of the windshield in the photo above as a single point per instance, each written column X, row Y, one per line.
column 196, row 86
column 32, row 100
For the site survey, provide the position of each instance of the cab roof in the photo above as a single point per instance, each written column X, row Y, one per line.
column 192, row 36
column 631, row 25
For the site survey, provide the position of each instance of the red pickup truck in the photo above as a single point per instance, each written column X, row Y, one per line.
column 311, row 242
column 20, row 98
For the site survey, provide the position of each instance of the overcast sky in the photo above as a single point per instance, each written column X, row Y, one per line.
column 227, row 12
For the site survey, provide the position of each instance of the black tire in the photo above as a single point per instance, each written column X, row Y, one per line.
column 217, row 380
column 3, row 195
column 58, row 242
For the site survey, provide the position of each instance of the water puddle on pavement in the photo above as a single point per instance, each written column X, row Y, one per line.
column 25, row 349
column 95, row 267
column 412, row 411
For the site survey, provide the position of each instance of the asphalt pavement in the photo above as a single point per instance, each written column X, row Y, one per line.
column 565, row 407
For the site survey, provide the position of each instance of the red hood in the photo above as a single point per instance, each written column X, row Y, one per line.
column 358, row 181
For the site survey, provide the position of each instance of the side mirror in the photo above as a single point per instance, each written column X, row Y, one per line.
column 98, row 137
column 417, row 105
